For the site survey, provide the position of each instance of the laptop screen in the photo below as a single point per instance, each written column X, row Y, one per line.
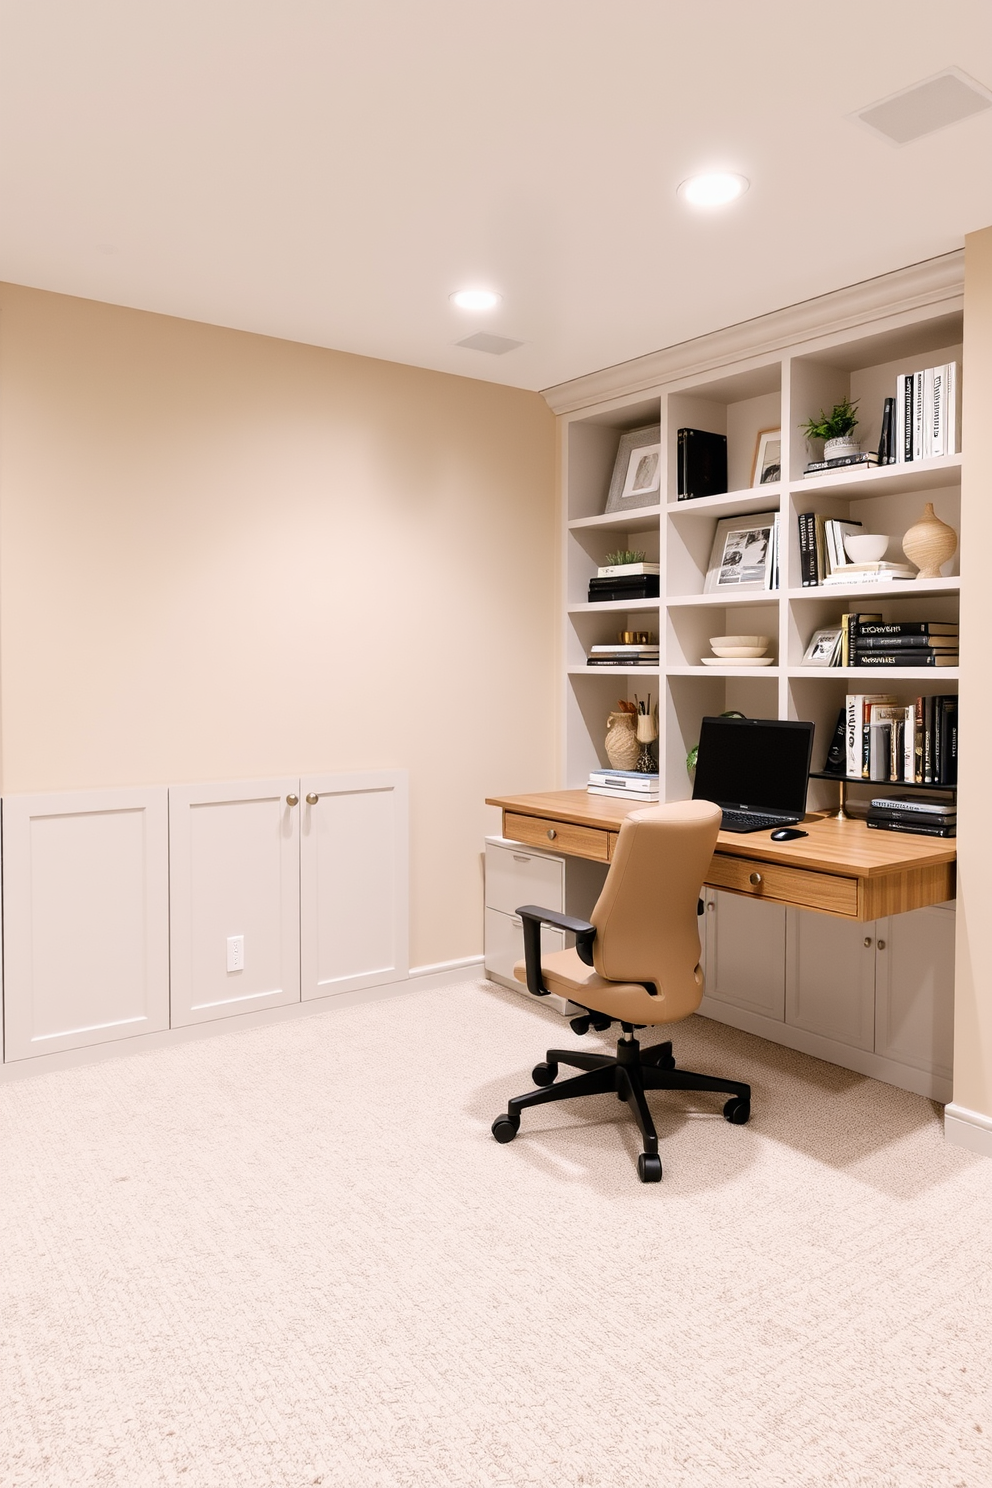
column 760, row 764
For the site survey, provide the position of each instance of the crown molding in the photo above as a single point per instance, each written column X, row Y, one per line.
column 927, row 283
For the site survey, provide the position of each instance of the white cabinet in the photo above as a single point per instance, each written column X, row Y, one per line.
column 354, row 881
column 235, row 871
column 744, row 962
column 311, row 872
column 914, row 989
column 830, row 977
column 86, row 919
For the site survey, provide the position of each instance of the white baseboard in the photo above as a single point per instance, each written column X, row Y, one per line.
column 969, row 1129
column 419, row 979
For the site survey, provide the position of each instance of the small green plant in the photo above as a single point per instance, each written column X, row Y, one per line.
column 624, row 555
column 841, row 419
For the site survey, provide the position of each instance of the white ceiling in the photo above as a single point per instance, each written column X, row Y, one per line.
column 330, row 170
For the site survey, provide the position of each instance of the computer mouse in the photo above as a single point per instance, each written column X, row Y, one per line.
column 786, row 834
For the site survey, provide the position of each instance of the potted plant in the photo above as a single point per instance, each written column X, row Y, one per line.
column 835, row 429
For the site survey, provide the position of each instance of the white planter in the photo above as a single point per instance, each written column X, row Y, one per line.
column 833, row 449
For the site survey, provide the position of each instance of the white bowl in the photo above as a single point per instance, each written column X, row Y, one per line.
column 760, row 641
column 734, row 653
column 866, row 547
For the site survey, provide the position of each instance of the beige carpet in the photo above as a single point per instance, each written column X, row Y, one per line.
column 265, row 1260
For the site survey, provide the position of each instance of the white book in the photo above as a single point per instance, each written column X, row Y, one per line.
column 927, row 437
column 614, row 570
column 642, row 778
column 909, row 743
column 919, row 421
column 886, row 577
column 952, row 409
column 938, row 421
column 618, row 793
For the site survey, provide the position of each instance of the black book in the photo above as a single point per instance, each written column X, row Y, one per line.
column 603, row 590
column 917, row 831
column 906, row 628
column 905, row 642
column 807, row 549
column 836, row 761
column 948, row 742
column 887, row 439
column 908, row 384
column 702, row 464
column 922, row 658
column 932, row 818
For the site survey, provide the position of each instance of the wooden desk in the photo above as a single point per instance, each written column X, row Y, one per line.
column 841, row 868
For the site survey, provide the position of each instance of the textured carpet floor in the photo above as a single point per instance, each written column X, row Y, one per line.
column 263, row 1260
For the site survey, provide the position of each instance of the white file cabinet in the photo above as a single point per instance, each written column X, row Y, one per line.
column 517, row 875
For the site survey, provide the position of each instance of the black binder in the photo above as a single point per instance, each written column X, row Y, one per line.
column 702, row 464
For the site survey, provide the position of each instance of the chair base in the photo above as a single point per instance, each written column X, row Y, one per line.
column 628, row 1075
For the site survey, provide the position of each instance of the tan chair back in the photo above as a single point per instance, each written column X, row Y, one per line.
column 645, row 918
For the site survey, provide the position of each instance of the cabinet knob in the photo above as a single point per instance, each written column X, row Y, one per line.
column 312, row 799
column 292, row 800
column 754, row 878
column 552, row 833
column 867, row 942
column 881, row 945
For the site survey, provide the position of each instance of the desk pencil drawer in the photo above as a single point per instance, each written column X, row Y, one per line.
column 828, row 892
column 559, row 836
column 514, row 877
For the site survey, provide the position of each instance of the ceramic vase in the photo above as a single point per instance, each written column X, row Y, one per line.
column 833, row 449
column 929, row 544
column 622, row 747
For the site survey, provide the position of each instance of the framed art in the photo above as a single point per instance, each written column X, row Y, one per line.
column 743, row 555
column 767, row 465
column 637, row 472
column 824, row 647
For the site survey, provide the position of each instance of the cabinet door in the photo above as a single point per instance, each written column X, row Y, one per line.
column 914, row 988
column 234, row 872
column 830, row 977
column 517, row 875
column 354, row 868
column 86, row 918
column 745, row 953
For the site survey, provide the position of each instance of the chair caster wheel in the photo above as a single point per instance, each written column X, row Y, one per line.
column 649, row 1167
column 737, row 1110
column 544, row 1074
column 504, row 1128
column 668, row 1063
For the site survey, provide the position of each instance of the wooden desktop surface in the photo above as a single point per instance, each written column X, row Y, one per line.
column 841, row 867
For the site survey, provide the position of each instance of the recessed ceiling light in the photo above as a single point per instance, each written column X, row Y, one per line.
column 475, row 299
column 714, row 189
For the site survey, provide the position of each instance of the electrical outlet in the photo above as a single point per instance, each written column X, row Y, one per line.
column 235, row 953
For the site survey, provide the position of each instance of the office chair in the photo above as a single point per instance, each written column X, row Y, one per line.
column 635, row 962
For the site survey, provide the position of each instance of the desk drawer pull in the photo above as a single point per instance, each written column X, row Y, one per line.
column 754, row 878
column 552, row 834
column 521, row 858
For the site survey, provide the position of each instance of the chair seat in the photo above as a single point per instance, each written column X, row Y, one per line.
column 568, row 975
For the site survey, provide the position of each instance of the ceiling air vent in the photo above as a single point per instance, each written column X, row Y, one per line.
column 925, row 107
column 495, row 345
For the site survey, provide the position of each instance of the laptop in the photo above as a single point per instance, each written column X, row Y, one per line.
column 755, row 769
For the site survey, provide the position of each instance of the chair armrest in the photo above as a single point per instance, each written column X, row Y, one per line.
column 533, row 916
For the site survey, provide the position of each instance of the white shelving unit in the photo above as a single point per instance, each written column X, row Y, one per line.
column 784, row 369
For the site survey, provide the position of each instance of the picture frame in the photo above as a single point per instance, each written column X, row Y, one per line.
column 767, row 465
column 743, row 554
column 824, row 647
column 636, row 477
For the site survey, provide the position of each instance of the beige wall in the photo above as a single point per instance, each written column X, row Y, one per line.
column 223, row 555
column 973, row 992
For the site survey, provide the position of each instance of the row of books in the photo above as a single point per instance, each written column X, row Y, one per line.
column 823, row 558
column 630, row 784
column 926, row 816
column 879, row 738
column 923, row 420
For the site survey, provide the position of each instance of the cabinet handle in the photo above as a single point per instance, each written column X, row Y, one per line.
column 881, row 945
column 312, row 799
column 292, row 800
column 867, row 942
column 521, row 858
column 552, row 833
column 754, row 878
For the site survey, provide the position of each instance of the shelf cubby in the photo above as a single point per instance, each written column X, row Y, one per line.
column 591, row 453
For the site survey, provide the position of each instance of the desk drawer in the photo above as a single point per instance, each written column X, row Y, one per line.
column 828, row 892
column 514, row 878
column 558, row 836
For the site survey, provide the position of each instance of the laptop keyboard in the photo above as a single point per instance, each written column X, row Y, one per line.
column 752, row 821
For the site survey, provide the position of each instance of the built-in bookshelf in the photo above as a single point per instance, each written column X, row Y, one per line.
column 784, row 373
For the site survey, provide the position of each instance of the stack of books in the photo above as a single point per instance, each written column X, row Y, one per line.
column 863, row 460
column 880, row 738
column 904, row 643
column 925, row 815
column 926, row 417
column 629, row 784
column 620, row 655
column 623, row 584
